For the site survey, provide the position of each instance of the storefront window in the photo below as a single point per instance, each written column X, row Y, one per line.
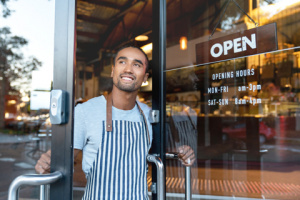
column 240, row 115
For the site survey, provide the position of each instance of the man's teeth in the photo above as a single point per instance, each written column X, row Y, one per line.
column 126, row 78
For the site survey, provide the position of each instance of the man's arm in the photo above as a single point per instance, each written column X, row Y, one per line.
column 43, row 164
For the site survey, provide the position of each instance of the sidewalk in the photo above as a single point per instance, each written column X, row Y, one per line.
column 6, row 138
column 18, row 156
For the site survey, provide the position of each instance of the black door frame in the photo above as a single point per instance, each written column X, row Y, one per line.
column 159, row 10
column 63, row 78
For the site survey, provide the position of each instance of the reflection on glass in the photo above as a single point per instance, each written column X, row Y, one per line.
column 181, row 131
column 243, row 128
column 246, row 110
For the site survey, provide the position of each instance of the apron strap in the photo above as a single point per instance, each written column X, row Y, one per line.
column 145, row 121
column 109, row 113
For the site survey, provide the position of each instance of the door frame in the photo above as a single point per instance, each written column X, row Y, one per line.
column 63, row 79
column 159, row 9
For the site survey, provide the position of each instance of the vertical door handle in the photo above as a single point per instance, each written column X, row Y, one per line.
column 160, row 175
column 188, row 189
column 31, row 179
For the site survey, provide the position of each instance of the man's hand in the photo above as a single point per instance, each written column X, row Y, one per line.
column 186, row 155
column 43, row 164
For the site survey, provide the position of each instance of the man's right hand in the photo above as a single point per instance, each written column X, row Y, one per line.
column 43, row 164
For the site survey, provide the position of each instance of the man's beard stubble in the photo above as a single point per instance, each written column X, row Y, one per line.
column 126, row 88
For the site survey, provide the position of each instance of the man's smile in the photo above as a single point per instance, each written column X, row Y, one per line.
column 127, row 77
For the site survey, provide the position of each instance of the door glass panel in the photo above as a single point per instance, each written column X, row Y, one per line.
column 26, row 68
column 240, row 116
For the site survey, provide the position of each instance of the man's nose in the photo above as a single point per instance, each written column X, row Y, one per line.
column 128, row 68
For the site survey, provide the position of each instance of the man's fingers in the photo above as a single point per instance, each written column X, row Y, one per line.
column 186, row 155
column 188, row 162
column 43, row 164
column 185, row 152
column 182, row 151
column 42, row 167
column 39, row 169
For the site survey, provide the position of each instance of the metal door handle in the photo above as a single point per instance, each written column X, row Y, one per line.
column 160, row 175
column 188, row 192
column 31, row 179
column 188, row 188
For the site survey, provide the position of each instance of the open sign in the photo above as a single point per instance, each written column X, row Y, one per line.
column 250, row 42
column 237, row 45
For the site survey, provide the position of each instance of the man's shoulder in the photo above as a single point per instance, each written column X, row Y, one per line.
column 144, row 107
column 92, row 109
column 95, row 103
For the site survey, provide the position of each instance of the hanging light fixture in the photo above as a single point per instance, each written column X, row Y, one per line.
column 141, row 38
column 147, row 48
column 183, row 43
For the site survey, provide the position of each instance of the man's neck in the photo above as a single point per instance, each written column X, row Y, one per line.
column 123, row 100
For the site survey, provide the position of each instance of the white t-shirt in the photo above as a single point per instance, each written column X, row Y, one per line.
column 88, row 126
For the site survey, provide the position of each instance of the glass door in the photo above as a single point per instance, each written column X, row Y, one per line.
column 37, row 132
column 63, row 79
column 26, row 74
column 239, row 115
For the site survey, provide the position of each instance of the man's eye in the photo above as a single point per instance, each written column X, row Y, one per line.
column 137, row 65
column 122, row 62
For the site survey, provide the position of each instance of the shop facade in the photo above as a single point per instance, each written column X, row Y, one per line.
column 224, row 76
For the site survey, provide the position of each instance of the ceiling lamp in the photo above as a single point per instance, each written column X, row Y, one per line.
column 183, row 43
column 141, row 38
column 11, row 102
column 147, row 48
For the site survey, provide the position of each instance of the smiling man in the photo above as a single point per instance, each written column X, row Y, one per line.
column 116, row 141
column 129, row 72
column 114, row 134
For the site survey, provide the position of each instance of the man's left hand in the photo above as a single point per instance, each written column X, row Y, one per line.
column 186, row 155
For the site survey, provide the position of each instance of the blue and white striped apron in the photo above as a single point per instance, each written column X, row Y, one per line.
column 119, row 170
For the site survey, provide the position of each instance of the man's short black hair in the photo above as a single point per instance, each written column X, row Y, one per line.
column 130, row 46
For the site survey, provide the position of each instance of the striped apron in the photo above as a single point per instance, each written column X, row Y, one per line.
column 119, row 170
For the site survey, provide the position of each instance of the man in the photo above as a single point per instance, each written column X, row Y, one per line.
column 114, row 134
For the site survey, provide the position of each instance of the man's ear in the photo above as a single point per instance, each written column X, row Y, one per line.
column 146, row 77
column 112, row 71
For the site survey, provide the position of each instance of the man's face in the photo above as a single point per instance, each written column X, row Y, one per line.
column 129, row 71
